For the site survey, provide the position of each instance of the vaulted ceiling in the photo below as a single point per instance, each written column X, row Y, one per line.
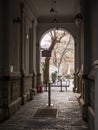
column 65, row 10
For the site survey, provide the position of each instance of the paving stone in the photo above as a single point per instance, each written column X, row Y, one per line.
column 68, row 113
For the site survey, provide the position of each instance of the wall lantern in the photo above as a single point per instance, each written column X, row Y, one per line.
column 27, row 36
column 53, row 6
column 78, row 18
column 11, row 68
column 16, row 20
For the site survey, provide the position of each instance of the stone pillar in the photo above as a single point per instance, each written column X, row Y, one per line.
column 34, row 23
column 85, row 96
column 76, row 81
column 85, row 58
column 77, row 64
column 28, row 54
column 38, row 57
column 77, row 57
column 38, row 53
column 96, row 94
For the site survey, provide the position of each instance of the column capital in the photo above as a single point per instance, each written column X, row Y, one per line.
column 34, row 22
column 95, row 64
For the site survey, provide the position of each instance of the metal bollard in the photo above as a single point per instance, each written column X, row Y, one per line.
column 49, row 95
column 61, row 86
column 46, row 86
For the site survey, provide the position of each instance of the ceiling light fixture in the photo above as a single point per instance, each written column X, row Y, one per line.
column 54, row 12
column 78, row 18
column 53, row 5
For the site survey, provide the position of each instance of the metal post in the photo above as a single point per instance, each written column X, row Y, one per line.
column 68, row 82
column 49, row 95
column 46, row 86
column 66, row 85
column 61, row 85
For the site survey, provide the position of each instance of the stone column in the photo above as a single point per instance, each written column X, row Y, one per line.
column 34, row 23
column 96, row 94
column 38, row 63
column 77, row 57
column 85, row 58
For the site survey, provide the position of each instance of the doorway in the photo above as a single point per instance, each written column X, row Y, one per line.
column 57, row 58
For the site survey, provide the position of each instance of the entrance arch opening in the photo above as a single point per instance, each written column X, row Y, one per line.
column 57, row 58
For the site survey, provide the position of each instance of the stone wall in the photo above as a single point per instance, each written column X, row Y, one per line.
column 27, row 93
column 10, row 99
column 16, row 51
column 91, row 105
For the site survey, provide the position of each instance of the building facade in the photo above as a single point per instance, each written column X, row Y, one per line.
column 20, row 35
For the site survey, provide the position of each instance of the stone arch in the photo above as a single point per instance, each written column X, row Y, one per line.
column 62, row 29
column 54, row 29
column 69, row 27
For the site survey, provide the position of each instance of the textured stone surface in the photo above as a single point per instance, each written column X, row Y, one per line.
column 46, row 112
column 68, row 113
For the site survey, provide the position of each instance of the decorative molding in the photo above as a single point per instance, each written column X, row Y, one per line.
column 93, row 70
column 92, row 75
column 10, row 78
column 27, row 75
column 85, row 76
column 28, row 10
column 95, row 64
column 17, row 20
column 91, row 111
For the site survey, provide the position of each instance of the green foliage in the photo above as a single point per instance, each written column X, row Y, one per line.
column 54, row 76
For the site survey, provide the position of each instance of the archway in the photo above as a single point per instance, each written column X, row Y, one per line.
column 60, row 44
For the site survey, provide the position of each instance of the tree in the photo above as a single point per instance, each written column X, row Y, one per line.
column 60, row 54
column 54, row 76
column 58, row 39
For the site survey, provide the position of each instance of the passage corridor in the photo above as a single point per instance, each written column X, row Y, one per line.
column 66, row 114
